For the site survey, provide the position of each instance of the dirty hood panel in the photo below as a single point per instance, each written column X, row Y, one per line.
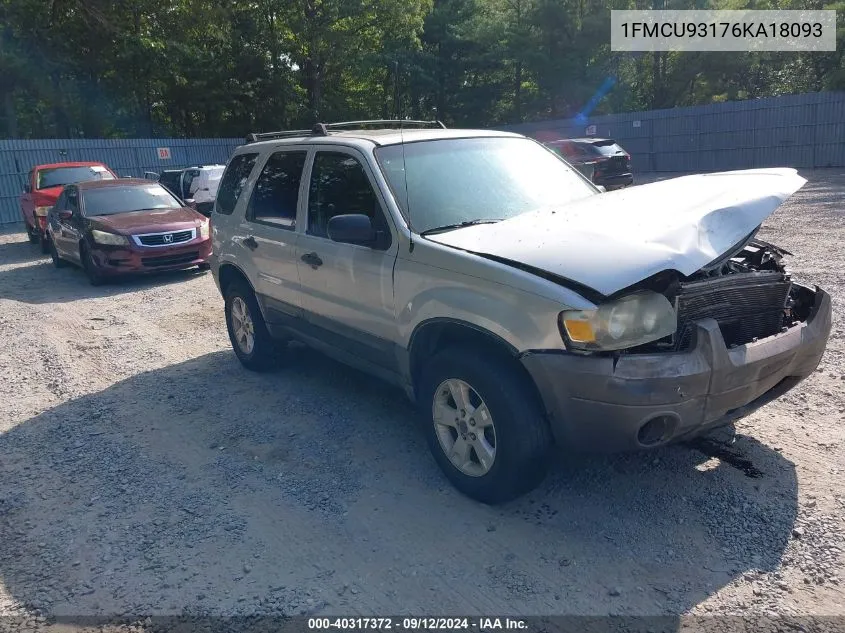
column 610, row 241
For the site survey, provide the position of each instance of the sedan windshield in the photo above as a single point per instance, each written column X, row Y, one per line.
column 451, row 182
column 60, row 176
column 127, row 198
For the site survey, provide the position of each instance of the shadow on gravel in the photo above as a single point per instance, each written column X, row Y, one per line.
column 203, row 488
column 19, row 252
column 41, row 282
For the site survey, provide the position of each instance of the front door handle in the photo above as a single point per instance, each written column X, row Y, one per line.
column 250, row 243
column 313, row 260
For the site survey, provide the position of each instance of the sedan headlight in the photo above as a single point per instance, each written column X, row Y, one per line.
column 111, row 239
column 204, row 232
column 42, row 211
column 634, row 320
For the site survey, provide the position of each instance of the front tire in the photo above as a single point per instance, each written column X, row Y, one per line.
column 205, row 266
column 44, row 243
column 58, row 262
column 95, row 277
column 248, row 333
column 484, row 424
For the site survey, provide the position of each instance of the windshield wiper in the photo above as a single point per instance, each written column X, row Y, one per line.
column 459, row 225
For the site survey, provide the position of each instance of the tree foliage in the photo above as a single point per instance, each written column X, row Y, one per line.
column 100, row 68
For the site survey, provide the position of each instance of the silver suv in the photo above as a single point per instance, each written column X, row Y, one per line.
column 514, row 302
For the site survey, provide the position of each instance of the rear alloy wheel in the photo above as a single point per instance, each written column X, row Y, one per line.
column 58, row 262
column 95, row 277
column 484, row 424
column 251, row 341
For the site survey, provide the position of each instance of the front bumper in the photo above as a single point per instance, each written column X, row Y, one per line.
column 638, row 401
column 118, row 260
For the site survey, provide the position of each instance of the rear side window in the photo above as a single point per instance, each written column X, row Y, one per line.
column 276, row 192
column 233, row 182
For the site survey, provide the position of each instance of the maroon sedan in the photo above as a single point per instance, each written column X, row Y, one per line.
column 114, row 227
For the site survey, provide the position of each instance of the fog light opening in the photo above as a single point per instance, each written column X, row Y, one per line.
column 657, row 430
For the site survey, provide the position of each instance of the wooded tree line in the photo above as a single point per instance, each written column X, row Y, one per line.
column 103, row 68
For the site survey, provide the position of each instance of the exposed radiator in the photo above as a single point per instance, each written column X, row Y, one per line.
column 746, row 306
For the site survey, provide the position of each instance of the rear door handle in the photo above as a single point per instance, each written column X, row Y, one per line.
column 250, row 243
column 313, row 260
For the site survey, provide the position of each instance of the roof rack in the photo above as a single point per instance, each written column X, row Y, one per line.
column 323, row 129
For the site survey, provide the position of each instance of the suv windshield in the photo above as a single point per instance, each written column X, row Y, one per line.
column 453, row 181
column 60, row 176
column 123, row 199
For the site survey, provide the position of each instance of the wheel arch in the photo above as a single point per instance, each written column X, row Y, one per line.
column 433, row 335
column 228, row 273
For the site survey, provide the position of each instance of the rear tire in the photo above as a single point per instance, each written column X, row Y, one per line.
column 58, row 262
column 248, row 333
column 95, row 278
column 491, row 392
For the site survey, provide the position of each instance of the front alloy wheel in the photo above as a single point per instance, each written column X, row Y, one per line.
column 485, row 424
column 464, row 427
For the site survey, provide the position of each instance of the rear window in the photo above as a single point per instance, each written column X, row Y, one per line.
column 124, row 199
column 60, row 176
column 603, row 148
column 233, row 181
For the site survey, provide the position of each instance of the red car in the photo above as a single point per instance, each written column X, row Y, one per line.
column 114, row 227
column 43, row 189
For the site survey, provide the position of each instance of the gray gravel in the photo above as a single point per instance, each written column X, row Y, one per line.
column 143, row 471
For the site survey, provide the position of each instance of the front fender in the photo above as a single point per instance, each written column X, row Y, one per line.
column 522, row 319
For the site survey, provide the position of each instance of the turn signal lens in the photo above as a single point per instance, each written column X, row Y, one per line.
column 579, row 331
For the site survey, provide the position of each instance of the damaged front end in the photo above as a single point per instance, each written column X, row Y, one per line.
column 749, row 293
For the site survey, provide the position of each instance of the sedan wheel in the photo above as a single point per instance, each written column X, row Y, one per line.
column 58, row 262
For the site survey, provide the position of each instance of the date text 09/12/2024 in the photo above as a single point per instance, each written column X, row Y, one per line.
column 481, row 624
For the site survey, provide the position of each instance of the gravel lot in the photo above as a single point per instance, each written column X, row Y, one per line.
column 143, row 471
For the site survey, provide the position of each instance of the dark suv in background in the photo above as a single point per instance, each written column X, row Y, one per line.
column 602, row 160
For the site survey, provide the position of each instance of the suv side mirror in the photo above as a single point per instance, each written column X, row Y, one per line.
column 351, row 228
column 65, row 214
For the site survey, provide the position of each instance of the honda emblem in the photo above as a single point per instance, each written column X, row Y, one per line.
column 168, row 239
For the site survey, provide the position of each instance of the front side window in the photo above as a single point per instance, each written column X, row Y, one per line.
column 233, row 181
column 60, row 176
column 450, row 181
column 127, row 198
column 276, row 193
column 339, row 185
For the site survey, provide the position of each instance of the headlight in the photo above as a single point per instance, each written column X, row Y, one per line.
column 204, row 230
column 42, row 211
column 112, row 239
column 627, row 322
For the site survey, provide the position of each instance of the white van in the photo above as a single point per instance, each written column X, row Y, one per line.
column 197, row 186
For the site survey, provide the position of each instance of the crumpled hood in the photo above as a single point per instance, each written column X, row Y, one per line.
column 610, row 241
